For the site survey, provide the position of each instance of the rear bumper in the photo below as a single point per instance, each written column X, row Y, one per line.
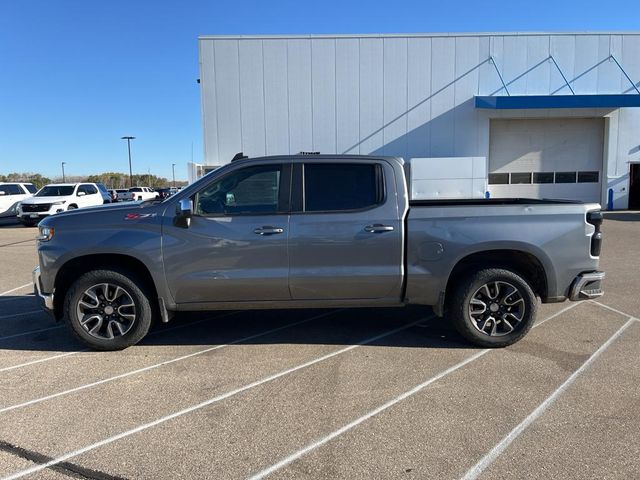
column 587, row 286
column 45, row 299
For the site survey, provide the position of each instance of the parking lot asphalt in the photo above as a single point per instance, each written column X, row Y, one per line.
column 358, row 393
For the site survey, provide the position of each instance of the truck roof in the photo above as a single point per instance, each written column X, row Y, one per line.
column 323, row 157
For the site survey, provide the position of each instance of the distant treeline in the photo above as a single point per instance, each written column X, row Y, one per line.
column 110, row 179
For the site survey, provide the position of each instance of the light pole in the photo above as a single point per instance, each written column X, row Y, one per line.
column 173, row 168
column 64, row 179
column 128, row 139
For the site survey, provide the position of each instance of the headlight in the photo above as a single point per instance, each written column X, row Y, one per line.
column 59, row 203
column 45, row 234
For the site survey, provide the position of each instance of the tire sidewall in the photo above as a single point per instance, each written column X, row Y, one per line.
column 132, row 286
column 466, row 289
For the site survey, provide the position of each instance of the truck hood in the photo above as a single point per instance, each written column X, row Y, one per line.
column 39, row 200
column 109, row 214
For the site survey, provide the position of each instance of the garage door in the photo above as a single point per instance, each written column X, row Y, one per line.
column 546, row 158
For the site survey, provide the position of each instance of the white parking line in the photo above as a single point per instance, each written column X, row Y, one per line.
column 21, row 314
column 224, row 396
column 620, row 312
column 41, row 360
column 286, row 461
column 16, row 289
column 318, row 443
column 560, row 312
column 161, row 364
column 156, row 332
column 490, row 457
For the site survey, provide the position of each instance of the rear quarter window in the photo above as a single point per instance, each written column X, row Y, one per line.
column 336, row 187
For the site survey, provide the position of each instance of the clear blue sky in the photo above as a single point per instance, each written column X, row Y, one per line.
column 76, row 75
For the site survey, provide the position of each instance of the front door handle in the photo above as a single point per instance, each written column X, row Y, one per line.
column 268, row 230
column 378, row 228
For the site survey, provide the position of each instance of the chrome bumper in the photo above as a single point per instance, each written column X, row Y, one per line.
column 587, row 286
column 45, row 299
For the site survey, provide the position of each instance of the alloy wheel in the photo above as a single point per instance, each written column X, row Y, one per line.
column 106, row 311
column 496, row 308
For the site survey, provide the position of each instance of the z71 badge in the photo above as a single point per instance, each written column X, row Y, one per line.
column 138, row 216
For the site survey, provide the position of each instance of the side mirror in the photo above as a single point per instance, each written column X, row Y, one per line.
column 81, row 194
column 184, row 213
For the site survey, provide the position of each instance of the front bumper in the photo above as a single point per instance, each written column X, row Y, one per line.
column 587, row 286
column 32, row 217
column 45, row 299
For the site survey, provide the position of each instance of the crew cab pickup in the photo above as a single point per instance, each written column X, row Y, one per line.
column 315, row 231
column 137, row 193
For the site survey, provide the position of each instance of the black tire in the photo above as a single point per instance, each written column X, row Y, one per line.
column 72, row 207
column 496, row 333
column 28, row 223
column 138, row 293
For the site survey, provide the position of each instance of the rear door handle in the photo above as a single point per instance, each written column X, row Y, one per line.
column 267, row 230
column 378, row 228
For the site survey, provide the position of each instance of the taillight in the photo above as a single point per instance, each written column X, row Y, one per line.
column 596, row 218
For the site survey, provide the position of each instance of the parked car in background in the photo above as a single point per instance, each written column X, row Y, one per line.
column 138, row 194
column 165, row 192
column 114, row 193
column 11, row 194
column 56, row 198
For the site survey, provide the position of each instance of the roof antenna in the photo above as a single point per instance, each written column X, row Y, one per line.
column 238, row 156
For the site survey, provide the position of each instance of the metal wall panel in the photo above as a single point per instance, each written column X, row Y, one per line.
column 419, row 97
column 465, row 124
column 371, row 95
column 395, row 96
column 400, row 95
column 299, row 98
column 538, row 66
column 347, row 95
column 514, row 64
column 443, row 96
column 227, row 73
column 252, row 106
column 563, row 49
column 209, row 104
column 276, row 97
column 323, row 85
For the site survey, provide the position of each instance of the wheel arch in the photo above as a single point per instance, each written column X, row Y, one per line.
column 525, row 264
column 78, row 266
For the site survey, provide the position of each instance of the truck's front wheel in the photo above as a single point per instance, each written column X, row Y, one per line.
column 492, row 307
column 108, row 310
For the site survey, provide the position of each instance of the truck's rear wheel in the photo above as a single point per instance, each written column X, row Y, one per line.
column 108, row 310
column 492, row 307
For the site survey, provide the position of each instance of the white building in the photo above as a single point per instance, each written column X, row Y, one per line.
column 556, row 115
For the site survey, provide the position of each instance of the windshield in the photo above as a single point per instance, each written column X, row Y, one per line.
column 55, row 191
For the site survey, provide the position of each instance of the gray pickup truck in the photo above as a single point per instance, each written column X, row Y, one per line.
column 315, row 231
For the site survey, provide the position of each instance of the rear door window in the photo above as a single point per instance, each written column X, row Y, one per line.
column 88, row 189
column 342, row 187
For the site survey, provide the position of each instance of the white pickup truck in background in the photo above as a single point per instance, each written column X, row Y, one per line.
column 138, row 193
